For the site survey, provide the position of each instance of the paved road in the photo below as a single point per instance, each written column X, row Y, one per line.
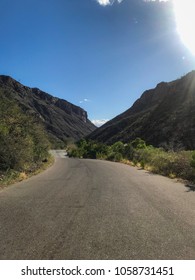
column 59, row 153
column 88, row 209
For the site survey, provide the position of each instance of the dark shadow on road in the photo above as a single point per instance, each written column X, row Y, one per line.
column 191, row 188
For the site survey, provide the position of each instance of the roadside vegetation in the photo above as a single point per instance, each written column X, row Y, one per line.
column 24, row 146
column 173, row 164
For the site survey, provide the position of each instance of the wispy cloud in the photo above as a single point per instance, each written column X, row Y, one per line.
column 156, row 0
column 84, row 100
column 99, row 123
column 111, row 2
column 108, row 2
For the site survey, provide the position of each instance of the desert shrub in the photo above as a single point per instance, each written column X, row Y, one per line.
column 90, row 153
column 162, row 163
column 118, row 147
column 192, row 162
column 74, row 152
column 23, row 142
column 174, row 164
column 138, row 143
column 117, row 157
column 181, row 164
column 89, row 149
column 128, row 151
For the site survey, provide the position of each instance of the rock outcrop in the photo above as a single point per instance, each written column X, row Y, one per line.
column 61, row 119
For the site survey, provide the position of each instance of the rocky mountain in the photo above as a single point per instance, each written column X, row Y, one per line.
column 163, row 116
column 61, row 119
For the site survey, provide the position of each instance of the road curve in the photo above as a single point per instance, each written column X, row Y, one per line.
column 91, row 209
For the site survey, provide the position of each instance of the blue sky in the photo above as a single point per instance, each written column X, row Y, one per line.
column 100, row 56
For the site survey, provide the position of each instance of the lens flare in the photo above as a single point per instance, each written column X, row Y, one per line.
column 185, row 19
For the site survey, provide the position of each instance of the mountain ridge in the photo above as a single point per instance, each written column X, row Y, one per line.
column 61, row 119
column 162, row 116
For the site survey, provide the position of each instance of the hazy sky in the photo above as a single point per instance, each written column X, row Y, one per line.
column 98, row 54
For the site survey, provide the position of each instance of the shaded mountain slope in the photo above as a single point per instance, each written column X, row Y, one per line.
column 163, row 116
column 62, row 120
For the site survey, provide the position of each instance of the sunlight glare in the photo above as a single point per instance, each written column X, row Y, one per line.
column 185, row 19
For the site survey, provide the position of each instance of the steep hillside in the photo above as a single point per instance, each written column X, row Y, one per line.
column 62, row 120
column 24, row 145
column 163, row 116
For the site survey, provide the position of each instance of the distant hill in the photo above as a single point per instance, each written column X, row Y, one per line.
column 61, row 119
column 163, row 116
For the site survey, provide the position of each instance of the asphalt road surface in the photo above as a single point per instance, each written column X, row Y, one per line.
column 91, row 209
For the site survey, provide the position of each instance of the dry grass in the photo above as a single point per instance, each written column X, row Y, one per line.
column 10, row 177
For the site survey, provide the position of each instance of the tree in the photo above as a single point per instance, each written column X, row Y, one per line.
column 138, row 143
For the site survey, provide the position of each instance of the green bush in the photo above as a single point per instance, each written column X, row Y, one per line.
column 128, row 151
column 23, row 142
column 89, row 149
column 118, row 147
column 138, row 143
column 174, row 164
column 115, row 157
column 192, row 162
